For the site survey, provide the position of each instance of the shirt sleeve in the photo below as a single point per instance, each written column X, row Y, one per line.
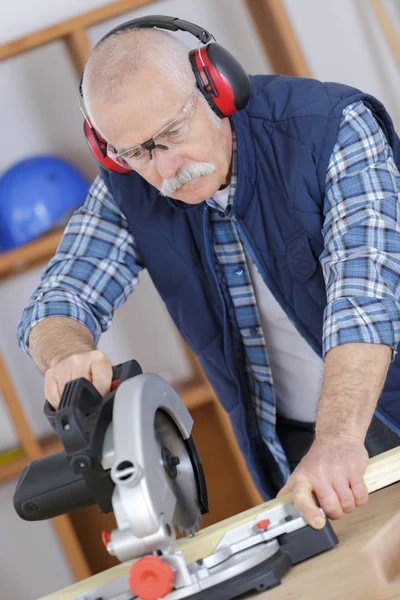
column 361, row 259
column 93, row 272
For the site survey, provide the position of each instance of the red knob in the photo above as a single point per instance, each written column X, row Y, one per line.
column 151, row 578
column 105, row 537
column 264, row 524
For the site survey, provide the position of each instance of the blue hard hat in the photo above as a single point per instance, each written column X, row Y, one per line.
column 35, row 194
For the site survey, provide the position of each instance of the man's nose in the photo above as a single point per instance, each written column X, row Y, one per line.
column 167, row 163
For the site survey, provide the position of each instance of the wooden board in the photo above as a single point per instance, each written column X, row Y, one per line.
column 343, row 573
column 352, row 530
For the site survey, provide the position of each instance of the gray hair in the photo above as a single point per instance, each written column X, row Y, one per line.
column 114, row 63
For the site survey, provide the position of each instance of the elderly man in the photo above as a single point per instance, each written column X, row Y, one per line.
column 273, row 239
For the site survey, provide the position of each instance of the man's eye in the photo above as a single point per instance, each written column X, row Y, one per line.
column 174, row 132
column 133, row 154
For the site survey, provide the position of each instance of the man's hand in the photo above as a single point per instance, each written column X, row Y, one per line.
column 94, row 366
column 333, row 470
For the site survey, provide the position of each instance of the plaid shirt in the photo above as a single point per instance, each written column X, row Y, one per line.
column 91, row 275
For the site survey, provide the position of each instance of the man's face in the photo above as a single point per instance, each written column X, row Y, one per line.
column 197, row 162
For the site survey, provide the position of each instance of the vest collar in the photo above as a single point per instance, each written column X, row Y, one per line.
column 246, row 163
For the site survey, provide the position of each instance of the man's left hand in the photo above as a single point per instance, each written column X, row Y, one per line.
column 333, row 471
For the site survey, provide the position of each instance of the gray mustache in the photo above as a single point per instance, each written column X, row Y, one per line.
column 185, row 175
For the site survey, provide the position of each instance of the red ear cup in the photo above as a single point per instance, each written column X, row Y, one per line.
column 98, row 147
column 221, row 79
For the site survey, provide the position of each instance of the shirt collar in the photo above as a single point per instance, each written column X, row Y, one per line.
column 232, row 186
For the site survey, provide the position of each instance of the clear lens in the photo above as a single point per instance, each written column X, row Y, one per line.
column 176, row 133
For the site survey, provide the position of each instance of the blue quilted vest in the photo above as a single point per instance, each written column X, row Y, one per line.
column 285, row 138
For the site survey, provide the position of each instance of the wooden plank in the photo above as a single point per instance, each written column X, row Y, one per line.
column 28, row 440
column 195, row 395
column 383, row 470
column 27, row 256
column 13, row 468
column 342, row 573
column 386, row 464
column 278, row 37
column 234, row 451
column 388, row 29
column 66, row 28
column 72, row 547
column 78, row 46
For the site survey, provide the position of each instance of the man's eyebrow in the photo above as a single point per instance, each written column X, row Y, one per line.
column 165, row 127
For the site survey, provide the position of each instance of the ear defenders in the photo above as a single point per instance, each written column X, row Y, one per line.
column 219, row 76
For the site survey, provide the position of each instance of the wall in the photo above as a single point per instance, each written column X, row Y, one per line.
column 342, row 41
column 40, row 114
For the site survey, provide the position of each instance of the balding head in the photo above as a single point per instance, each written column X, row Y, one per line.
column 125, row 60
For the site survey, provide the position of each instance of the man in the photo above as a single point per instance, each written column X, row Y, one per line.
column 273, row 239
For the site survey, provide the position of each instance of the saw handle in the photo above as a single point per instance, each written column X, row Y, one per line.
column 121, row 372
column 54, row 485
column 48, row 487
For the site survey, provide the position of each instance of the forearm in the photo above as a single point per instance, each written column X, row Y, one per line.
column 55, row 338
column 354, row 377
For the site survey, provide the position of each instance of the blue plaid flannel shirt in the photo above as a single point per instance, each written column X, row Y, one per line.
column 91, row 275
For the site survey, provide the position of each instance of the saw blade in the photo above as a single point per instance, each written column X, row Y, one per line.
column 179, row 472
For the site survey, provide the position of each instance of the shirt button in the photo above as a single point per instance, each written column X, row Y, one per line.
column 239, row 271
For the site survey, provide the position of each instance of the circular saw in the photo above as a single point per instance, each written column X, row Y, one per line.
column 130, row 452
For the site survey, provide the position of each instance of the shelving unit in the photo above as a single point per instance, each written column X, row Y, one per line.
column 79, row 532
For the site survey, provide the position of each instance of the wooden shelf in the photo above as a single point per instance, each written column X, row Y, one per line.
column 24, row 258
column 196, row 395
column 67, row 28
column 11, row 470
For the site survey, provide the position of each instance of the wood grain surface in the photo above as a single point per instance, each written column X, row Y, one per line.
column 345, row 572
column 342, row 573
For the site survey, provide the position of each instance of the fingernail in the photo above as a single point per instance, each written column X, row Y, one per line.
column 319, row 522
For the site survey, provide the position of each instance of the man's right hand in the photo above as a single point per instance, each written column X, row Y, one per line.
column 93, row 365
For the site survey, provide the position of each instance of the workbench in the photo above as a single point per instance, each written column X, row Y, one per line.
column 364, row 566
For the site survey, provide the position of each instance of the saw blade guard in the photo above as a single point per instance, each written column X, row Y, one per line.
column 159, row 482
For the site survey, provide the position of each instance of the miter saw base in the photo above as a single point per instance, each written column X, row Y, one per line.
column 251, row 558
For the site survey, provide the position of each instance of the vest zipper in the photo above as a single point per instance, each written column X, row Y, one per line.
column 271, row 288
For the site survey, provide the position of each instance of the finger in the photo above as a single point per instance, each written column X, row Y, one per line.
column 360, row 490
column 79, row 370
column 282, row 492
column 51, row 391
column 345, row 495
column 302, row 492
column 329, row 501
column 101, row 375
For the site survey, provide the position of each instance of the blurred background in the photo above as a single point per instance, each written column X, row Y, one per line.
column 349, row 41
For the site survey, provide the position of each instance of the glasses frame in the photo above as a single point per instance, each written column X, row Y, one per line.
column 150, row 144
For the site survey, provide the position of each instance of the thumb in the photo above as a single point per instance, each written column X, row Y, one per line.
column 285, row 490
column 101, row 372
